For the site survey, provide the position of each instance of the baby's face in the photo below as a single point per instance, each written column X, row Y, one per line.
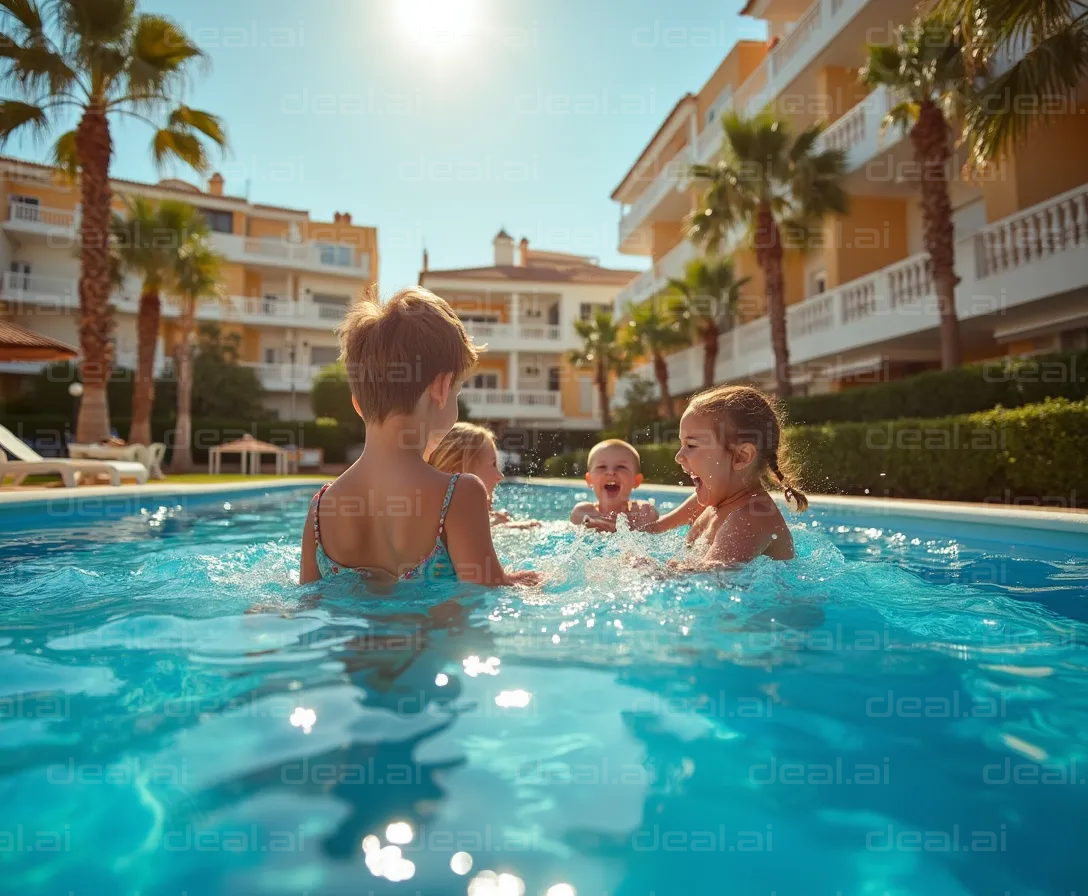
column 612, row 476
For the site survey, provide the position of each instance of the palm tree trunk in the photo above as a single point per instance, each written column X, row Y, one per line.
column 602, row 395
column 182, row 461
column 93, row 149
column 661, row 374
column 710, row 336
column 930, row 139
column 143, row 389
column 769, row 258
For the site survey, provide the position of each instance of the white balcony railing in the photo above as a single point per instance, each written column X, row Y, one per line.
column 651, row 282
column 508, row 404
column 500, row 335
column 1055, row 226
column 317, row 256
column 671, row 177
column 39, row 217
column 286, row 377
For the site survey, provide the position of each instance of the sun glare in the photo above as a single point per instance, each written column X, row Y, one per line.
column 436, row 24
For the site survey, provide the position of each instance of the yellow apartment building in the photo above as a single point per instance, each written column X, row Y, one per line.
column 288, row 279
column 861, row 300
column 523, row 307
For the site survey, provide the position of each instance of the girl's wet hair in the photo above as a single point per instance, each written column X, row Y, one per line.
column 457, row 451
column 749, row 416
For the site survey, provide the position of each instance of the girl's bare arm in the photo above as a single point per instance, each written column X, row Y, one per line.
column 684, row 515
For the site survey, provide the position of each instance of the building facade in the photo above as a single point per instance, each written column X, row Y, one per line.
column 288, row 280
column 861, row 304
column 523, row 308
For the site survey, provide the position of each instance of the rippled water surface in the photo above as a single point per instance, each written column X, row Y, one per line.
column 896, row 711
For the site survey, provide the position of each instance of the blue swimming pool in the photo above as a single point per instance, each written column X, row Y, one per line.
column 903, row 709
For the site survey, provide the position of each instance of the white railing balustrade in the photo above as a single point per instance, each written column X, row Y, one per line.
column 792, row 44
column 909, row 281
column 31, row 213
column 1056, row 225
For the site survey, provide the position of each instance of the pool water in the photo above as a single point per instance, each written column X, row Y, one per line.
column 896, row 711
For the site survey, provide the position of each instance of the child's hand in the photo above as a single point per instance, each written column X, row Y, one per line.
column 600, row 523
column 524, row 578
column 642, row 515
column 499, row 516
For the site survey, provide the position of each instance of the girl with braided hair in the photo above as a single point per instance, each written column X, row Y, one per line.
column 731, row 446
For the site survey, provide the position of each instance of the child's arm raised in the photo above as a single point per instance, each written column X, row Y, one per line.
column 468, row 538
column 684, row 515
column 582, row 510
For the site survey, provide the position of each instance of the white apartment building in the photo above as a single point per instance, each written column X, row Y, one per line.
column 288, row 280
column 523, row 307
column 861, row 304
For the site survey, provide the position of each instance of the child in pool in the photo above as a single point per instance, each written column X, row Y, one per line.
column 730, row 443
column 613, row 471
column 468, row 448
column 392, row 516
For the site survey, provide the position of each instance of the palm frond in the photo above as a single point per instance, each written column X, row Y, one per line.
column 15, row 116
column 1032, row 90
column 186, row 118
column 182, row 145
column 65, row 156
column 26, row 13
column 36, row 68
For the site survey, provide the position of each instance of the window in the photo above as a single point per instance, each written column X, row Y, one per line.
column 340, row 256
column 586, row 310
column 220, row 222
column 485, row 381
column 554, row 375
column 323, row 355
column 20, row 275
column 271, row 356
column 819, row 283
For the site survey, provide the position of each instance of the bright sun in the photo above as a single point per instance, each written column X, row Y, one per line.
column 436, row 24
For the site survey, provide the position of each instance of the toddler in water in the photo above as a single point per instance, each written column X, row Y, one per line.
column 468, row 448
column 730, row 442
column 613, row 471
column 391, row 515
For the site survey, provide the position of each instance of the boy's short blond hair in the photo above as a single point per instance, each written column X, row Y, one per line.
column 615, row 443
column 394, row 351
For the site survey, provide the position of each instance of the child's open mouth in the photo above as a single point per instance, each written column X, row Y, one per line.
column 612, row 489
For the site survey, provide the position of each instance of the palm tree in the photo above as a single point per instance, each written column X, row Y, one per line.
column 146, row 241
column 602, row 350
column 92, row 60
column 925, row 69
column 777, row 187
column 654, row 330
column 708, row 294
column 196, row 277
column 1049, row 38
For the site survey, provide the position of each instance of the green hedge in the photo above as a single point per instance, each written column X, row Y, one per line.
column 1038, row 451
column 52, row 432
column 938, row 393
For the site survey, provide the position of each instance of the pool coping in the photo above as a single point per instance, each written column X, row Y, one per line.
column 1045, row 518
column 1039, row 518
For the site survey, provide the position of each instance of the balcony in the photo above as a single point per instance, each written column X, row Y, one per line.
column 860, row 133
column 1035, row 254
column 322, row 258
column 286, row 377
column 664, row 192
column 504, row 404
column 650, row 283
column 31, row 218
column 523, row 337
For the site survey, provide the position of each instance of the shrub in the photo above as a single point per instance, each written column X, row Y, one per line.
column 944, row 393
column 1037, row 451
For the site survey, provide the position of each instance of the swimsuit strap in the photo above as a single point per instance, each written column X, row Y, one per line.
column 446, row 504
column 315, row 504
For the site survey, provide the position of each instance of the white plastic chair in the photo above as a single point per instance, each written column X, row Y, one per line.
column 20, row 460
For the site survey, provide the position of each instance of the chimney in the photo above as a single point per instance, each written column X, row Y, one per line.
column 524, row 252
column 504, row 249
column 215, row 184
column 426, row 262
column 346, row 218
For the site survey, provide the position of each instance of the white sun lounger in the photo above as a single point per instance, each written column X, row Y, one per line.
column 19, row 460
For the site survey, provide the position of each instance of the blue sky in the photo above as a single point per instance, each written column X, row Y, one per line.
column 526, row 117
